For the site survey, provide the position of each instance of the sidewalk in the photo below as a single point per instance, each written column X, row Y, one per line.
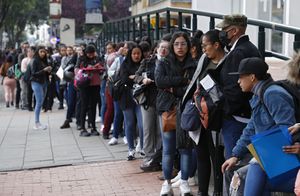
column 110, row 178
column 22, row 147
column 59, row 162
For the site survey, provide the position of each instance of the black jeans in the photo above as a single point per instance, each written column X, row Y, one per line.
column 71, row 97
column 89, row 97
column 207, row 151
column 18, row 94
column 30, row 96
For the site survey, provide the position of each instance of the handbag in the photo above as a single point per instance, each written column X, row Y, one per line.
column 190, row 117
column 68, row 74
column 169, row 120
column 82, row 79
column 139, row 94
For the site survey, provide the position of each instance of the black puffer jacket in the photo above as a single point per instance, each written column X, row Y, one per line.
column 148, row 67
column 127, row 68
column 175, row 75
column 37, row 71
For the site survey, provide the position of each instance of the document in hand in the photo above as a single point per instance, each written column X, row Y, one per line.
column 278, row 165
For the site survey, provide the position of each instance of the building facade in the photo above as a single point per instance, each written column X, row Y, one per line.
column 278, row 11
column 142, row 6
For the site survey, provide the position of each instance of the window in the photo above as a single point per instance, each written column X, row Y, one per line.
column 277, row 16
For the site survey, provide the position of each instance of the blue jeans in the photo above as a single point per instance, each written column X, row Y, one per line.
column 118, row 120
column 102, row 97
column 185, row 163
column 132, row 115
column 231, row 132
column 257, row 182
column 169, row 149
column 71, row 100
column 39, row 91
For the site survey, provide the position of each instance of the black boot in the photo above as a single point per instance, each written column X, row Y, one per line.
column 94, row 132
column 7, row 104
column 65, row 125
column 84, row 133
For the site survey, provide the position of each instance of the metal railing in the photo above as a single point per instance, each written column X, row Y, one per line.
column 157, row 23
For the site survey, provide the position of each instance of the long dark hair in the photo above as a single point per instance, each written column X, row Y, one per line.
column 175, row 36
column 37, row 56
column 128, row 60
column 213, row 37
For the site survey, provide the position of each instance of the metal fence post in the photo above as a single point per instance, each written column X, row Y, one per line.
column 180, row 21
column 141, row 27
column 261, row 41
column 148, row 26
column 123, row 30
column 157, row 26
column 194, row 28
column 168, row 21
column 128, row 29
column 212, row 23
column 133, row 29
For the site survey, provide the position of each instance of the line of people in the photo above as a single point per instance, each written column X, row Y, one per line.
column 145, row 89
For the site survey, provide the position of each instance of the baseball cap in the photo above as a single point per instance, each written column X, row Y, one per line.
column 253, row 65
column 234, row 19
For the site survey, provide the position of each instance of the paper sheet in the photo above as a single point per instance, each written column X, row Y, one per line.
column 60, row 73
column 195, row 136
column 207, row 82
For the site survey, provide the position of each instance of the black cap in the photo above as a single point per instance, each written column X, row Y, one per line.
column 90, row 49
column 253, row 65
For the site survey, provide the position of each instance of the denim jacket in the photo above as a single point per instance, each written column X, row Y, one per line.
column 277, row 109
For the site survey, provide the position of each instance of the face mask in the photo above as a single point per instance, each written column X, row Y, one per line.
column 223, row 36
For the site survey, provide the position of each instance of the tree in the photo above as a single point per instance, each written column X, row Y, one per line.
column 4, row 9
column 19, row 13
column 111, row 9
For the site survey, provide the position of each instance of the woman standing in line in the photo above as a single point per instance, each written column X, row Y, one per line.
column 172, row 76
column 9, row 82
column 132, row 111
column 40, row 71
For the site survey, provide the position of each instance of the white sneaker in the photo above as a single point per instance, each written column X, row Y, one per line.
column 125, row 140
column 138, row 146
column 39, row 126
column 113, row 141
column 176, row 178
column 166, row 189
column 131, row 154
column 192, row 181
column 98, row 119
column 184, row 187
column 176, row 184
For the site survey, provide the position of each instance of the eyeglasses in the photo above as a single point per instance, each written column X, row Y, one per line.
column 164, row 47
column 177, row 44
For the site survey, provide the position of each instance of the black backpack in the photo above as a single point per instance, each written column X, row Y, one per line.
column 11, row 72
